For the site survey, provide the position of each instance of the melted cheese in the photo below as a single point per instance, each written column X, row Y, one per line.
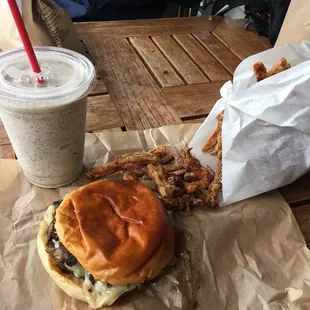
column 77, row 269
column 97, row 295
column 56, row 244
column 49, row 215
column 102, row 294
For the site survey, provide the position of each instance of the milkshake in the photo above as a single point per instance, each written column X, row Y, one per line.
column 44, row 114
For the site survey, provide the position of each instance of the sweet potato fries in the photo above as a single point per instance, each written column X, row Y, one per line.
column 214, row 146
column 180, row 185
column 214, row 143
column 261, row 72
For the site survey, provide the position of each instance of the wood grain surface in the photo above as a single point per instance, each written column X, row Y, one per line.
column 198, row 99
column 302, row 215
column 4, row 139
column 101, row 114
column 181, row 62
column 137, row 97
column 194, row 120
column 99, row 88
column 156, row 62
column 150, row 27
column 297, row 193
column 218, row 50
column 241, row 42
column 202, row 58
column 7, row 152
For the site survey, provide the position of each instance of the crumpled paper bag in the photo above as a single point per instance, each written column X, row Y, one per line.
column 46, row 23
column 266, row 127
column 250, row 255
column 296, row 25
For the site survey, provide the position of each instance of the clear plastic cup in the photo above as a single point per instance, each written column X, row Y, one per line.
column 45, row 114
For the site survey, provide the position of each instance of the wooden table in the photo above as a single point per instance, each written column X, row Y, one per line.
column 153, row 73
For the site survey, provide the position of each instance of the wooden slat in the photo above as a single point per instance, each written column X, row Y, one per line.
column 179, row 60
column 298, row 192
column 99, row 89
column 302, row 215
column 242, row 42
column 218, row 50
column 4, row 139
column 156, row 62
column 98, row 75
column 194, row 100
column 136, row 95
column 117, row 129
column 130, row 28
column 194, row 120
column 101, row 114
column 202, row 58
column 7, row 152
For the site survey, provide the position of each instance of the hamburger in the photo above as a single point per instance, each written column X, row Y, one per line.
column 105, row 239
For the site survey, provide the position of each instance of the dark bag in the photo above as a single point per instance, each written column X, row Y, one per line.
column 266, row 16
column 186, row 3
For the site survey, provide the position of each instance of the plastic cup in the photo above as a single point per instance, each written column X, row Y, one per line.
column 45, row 120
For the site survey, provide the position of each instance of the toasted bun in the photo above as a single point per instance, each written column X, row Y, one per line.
column 118, row 231
column 70, row 287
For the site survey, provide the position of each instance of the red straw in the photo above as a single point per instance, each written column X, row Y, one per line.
column 24, row 36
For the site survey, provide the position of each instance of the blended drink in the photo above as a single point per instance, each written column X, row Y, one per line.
column 44, row 114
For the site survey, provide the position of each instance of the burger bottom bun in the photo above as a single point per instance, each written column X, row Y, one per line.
column 69, row 286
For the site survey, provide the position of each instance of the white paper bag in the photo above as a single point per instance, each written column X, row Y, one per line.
column 266, row 127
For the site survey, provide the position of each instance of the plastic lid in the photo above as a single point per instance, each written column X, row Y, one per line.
column 66, row 76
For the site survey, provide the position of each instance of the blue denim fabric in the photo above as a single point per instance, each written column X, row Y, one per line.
column 75, row 8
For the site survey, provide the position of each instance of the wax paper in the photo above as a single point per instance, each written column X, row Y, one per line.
column 249, row 255
column 266, row 127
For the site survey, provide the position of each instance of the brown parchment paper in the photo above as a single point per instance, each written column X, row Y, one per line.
column 250, row 255
column 46, row 23
column 296, row 25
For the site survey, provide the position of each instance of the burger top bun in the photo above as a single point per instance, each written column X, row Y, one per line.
column 119, row 231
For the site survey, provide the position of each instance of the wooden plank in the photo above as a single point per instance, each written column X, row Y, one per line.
column 302, row 215
column 179, row 60
column 298, row 192
column 7, row 152
column 136, row 95
column 99, row 88
column 156, row 62
column 101, row 114
column 202, row 58
column 242, row 42
column 147, row 27
column 118, row 129
column 4, row 139
column 96, row 68
column 194, row 100
column 218, row 50
column 194, row 120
